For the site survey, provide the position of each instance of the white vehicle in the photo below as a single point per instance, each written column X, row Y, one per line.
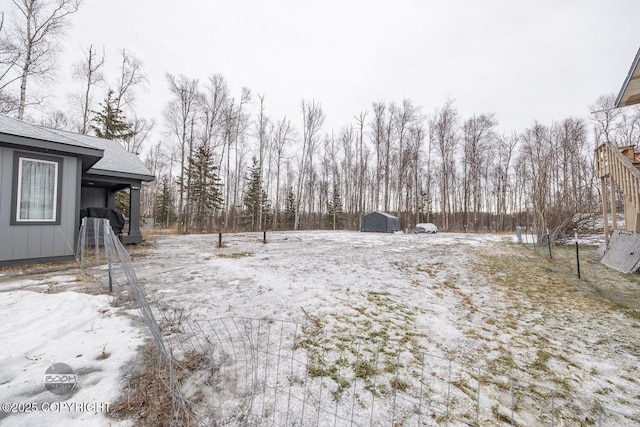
column 426, row 227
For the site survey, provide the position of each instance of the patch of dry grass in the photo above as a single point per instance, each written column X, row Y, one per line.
column 235, row 255
column 547, row 312
column 523, row 273
column 147, row 400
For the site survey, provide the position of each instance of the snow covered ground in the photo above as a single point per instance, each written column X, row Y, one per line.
column 40, row 327
column 449, row 292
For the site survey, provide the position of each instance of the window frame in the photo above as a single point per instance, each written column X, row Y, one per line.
column 18, row 157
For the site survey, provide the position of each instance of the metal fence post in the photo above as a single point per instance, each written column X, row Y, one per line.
column 106, row 230
column 553, row 409
column 96, row 243
column 577, row 255
column 448, row 393
column 83, row 238
column 478, row 399
column 513, row 398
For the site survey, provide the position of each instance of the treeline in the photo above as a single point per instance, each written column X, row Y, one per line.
column 291, row 173
column 224, row 163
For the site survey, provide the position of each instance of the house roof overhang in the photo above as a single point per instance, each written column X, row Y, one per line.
column 89, row 155
column 630, row 91
column 102, row 178
column 116, row 163
column 21, row 135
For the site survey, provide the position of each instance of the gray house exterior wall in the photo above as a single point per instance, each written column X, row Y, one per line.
column 24, row 242
column 90, row 172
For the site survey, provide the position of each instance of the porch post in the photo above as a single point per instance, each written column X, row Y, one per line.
column 605, row 214
column 134, row 210
column 614, row 213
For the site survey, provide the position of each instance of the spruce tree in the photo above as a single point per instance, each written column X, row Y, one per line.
column 163, row 213
column 335, row 214
column 110, row 122
column 205, row 191
column 288, row 216
column 256, row 205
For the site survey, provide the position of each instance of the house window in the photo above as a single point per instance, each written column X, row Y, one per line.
column 36, row 189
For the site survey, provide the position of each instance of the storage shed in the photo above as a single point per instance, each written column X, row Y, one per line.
column 381, row 222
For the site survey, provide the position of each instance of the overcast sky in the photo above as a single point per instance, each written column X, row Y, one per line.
column 544, row 60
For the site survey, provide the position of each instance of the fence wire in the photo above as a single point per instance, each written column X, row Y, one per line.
column 262, row 372
column 103, row 256
column 266, row 372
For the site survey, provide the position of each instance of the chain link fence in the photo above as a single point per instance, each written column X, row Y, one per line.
column 258, row 372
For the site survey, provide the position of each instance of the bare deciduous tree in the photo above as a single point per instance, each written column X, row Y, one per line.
column 362, row 166
column 140, row 130
column 443, row 132
column 56, row 120
column 283, row 134
column 378, row 126
column 537, row 153
column 502, row 159
column 605, row 117
column 312, row 121
column 88, row 71
column 38, row 25
column 478, row 135
column 215, row 101
column 180, row 117
column 9, row 57
column 131, row 78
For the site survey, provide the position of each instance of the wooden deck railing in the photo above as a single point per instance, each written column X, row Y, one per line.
column 610, row 162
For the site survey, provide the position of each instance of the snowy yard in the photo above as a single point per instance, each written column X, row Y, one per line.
column 477, row 300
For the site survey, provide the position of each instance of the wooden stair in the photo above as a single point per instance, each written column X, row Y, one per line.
column 620, row 165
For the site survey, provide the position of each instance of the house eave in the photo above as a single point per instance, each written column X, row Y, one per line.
column 110, row 175
column 90, row 156
column 630, row 91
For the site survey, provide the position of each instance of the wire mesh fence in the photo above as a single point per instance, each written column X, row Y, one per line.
column 255, row 372
column 267, row 372
column 103, row 256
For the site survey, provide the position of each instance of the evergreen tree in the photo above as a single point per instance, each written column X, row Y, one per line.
column 205, row 188
column 163, row 213
column 335, row 214
column 288, row 216
column 110, row 123
column 256, row 204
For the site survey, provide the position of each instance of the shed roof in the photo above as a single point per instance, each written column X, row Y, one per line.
column 383, row 214
column 630, row 91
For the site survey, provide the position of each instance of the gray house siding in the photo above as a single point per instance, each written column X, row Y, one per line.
column 90, row 172
column 24, row 242
column 4, row 198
